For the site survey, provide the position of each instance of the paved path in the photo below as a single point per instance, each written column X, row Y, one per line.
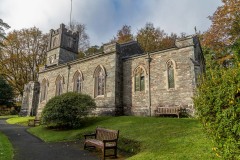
column 29, row 147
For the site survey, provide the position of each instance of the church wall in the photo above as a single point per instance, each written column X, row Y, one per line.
column 137, row 102
column 134, row 102
column 182, row 94
column 105, row 104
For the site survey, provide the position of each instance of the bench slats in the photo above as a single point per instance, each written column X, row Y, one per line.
column 103, row 139
column 167, row 110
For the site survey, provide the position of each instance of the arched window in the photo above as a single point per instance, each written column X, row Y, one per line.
column 44, row 89
column 139, row 76
column 59, row 85
column 100, row 81
column 170, row 74
column 77, row 82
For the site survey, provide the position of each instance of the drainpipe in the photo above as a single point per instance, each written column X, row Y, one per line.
column 69, row 67
column 149, row 87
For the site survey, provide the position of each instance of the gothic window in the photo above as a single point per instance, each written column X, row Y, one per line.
column 170, row 74
column 59, row 85
column 77, row 82
column 100, row 81
column 139, row 79
column 44, row 90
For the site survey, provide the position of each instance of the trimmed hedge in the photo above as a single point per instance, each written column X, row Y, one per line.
column 67, row 110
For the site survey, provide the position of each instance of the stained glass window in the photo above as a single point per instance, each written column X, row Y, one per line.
column 59, row 86
column 139, row 79
column 137, row 82
column 77, row 82
column 171, row 80
column 43, row 90
column 100, row 81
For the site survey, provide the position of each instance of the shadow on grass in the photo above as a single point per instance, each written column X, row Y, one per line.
column 128, row 147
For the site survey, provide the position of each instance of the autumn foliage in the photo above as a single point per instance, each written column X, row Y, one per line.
column 225, row 28
column 23, row 53
column 124, row 34
column 153, row 39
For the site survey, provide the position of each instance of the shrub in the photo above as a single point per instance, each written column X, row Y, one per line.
column 67, row 110
column 218, row 107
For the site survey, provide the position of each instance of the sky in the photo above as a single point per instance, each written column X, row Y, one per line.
column 103, row 18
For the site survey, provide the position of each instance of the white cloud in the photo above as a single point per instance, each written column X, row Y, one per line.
column 104, row 17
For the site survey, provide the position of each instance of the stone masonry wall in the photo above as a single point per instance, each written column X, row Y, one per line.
column 106, row 104
column 134, row 102
column 137, row 102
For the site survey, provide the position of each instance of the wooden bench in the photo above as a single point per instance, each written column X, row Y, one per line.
column 34, row 122
column 168, row 111
column 104, row 139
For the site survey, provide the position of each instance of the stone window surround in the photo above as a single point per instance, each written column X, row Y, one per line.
column 77, row 74
column 134, row 79
column 174, row 70
column 95, row 76
column 44, row 88
column 59, row 80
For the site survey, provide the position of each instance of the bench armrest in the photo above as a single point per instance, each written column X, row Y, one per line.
column 90, row 135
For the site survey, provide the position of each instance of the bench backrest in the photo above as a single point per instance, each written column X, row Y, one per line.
column 168, row 109
column 106, row 134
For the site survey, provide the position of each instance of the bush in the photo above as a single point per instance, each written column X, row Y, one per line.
column 218, row 107
column 67, row 110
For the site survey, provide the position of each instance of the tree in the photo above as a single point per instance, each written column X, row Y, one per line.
column 6, row 92
column 152, row 39
column 3, row 26
column 217, row 99
column 124, row 34
column 93, row 50
column 218, row 108
column 225, row 28
column 23, row 54
column 83, row 43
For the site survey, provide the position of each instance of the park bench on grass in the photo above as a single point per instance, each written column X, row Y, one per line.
column 104, row 139
column 34, row 122
column 174, row 110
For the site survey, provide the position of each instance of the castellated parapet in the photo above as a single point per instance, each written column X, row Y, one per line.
column 62, row 46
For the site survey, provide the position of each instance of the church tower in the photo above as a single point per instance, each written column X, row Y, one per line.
column 62, row 46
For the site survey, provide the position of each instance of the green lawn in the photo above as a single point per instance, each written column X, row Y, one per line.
column 19, row 120
column 6, row 150
column 8, row 116
column 145, row 137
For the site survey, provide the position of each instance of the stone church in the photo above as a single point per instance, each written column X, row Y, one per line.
column 123, row 79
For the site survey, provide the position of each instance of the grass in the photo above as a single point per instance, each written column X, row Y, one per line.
column 6, row 149
column 144, row 137
column 8, row 116
column 19, row 120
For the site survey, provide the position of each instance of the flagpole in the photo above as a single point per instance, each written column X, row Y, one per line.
column 71, row 15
